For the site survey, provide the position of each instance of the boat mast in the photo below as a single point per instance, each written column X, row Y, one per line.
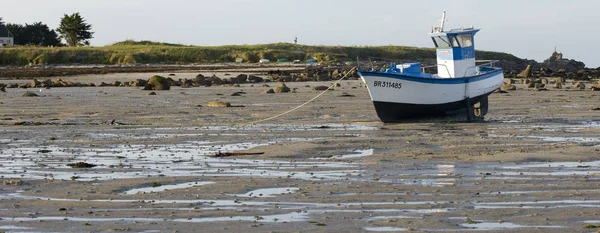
column 443, row 21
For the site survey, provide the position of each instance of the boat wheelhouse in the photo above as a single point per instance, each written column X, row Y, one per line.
column 405, row 91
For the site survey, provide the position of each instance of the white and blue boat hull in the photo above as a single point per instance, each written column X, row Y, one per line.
column 398, row 97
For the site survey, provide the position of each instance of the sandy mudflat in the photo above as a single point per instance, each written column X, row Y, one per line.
column 332, row 166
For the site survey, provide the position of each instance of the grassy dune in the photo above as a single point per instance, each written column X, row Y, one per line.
column 130, row 52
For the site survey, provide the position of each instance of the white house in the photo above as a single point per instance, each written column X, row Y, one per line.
column 6, row 38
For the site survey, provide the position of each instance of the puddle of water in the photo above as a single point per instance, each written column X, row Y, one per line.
column 167, row 187
column 355, row 154
column 563, row 139
column 556, row 165
column 14, row 228
column 575, row 125
column 290, row 217
column 268, row 192
column 385, row 229
column 256, row 204
column 391, row 217
column 493, row 226
column 551, row 138
column 543, row 202
column 185, row 159
column 539, row 204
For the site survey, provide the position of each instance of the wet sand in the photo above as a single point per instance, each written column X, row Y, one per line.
column 332, row 166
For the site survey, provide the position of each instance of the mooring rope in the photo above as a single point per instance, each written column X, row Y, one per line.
column 305, row 103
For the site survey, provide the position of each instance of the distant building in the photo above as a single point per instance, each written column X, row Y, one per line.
column 6, row 38
column 264, row 60
column 311, row 60
column 239, row 60
column 283, row 60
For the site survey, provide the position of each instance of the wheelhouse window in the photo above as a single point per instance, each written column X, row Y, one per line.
column 454, row 42
column 465, row 40
column 441, row 42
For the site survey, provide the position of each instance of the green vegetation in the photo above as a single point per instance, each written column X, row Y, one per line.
column 131, row 52
column 471, row 221
column 74, row 30
column 318, row 224
column 37, row 34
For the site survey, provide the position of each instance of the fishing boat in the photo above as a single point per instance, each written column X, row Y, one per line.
column 404, row 91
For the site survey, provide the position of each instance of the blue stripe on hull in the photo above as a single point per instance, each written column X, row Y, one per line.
column 433, row 80
column 398, row 112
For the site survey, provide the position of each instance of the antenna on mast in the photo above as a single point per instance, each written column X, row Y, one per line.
column 443, row 21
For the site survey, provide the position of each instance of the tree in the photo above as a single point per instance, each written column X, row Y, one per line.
column 74, row 30
column 18, row 32
column 1, row 22
column 40, row 34
column 33, row 34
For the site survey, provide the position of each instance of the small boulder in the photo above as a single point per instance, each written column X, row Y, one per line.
column 255, row 79
column 345, row 95
column 35, row 83
column 200, row 80
column 558, row 85
column 214, row 80
column 47, row 83
column 218, row 104
column 186, row 83
column 81, row 165
column 539, row 87
column 29, row 94
column 508, row 87
column 509, row 81
column 152, row 93
column 579, row 85
column 138, row 83
column 158, row 83
column 269, row 91
column 103, row 84
column 12, row 182
column 320, row 88
column 242, row 78
column 336, row 74
column 282, row 89
column 116, row 83
column 525, row 73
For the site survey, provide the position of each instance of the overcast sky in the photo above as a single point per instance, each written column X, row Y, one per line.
column 528, row 29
